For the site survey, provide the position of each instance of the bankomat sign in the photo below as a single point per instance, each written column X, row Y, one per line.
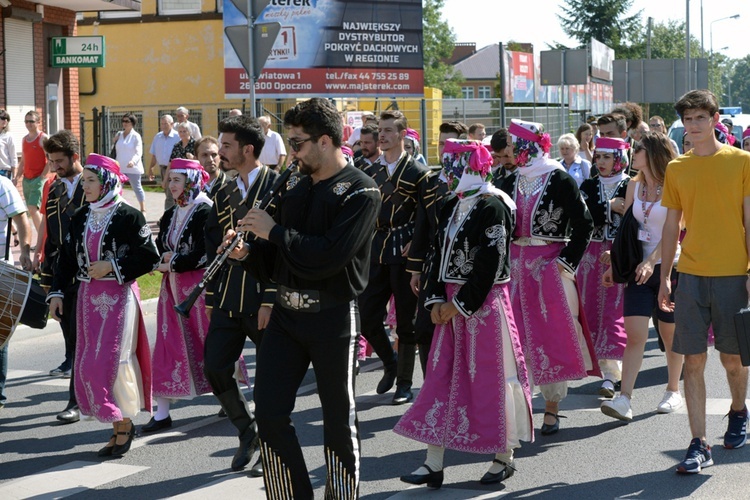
column 333, row 47
column 77, row 52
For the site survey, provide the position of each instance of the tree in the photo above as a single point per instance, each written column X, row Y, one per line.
column 741, row 84
column 603, row 20
column 437, row 45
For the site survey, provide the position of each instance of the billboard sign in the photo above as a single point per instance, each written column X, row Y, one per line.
column 602, row 60
column 333, row 48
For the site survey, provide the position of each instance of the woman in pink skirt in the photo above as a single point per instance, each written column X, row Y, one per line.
column 178, row 351
column 109, row 246
column 553, row 228
column 602, row 306
column 476, row 395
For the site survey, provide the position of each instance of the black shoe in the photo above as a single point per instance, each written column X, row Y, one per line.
column 389, row 375
column 403, row 395
column 551, row 429
column 505, row 473
column 257, row 469
column 107, row 450
column 248, row 444
column 69, row 415
column 433, row 480
column 156, row 425
column 120, row 449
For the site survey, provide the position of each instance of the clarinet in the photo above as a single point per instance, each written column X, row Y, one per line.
column 184, row 307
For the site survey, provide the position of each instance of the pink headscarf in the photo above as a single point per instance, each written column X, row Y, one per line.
column 196, row 178
column 467, row 166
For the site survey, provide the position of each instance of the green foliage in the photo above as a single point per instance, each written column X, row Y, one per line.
column 438, row 41
column 603, row 20
column 741, row 84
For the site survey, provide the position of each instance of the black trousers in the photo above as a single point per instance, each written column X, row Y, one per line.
column 68, row 326
column 386, row 280
column 291, row 342
column 223, row 347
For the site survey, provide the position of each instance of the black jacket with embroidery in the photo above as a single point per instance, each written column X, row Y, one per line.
column 126, row 243
column 233, row 289
column 218, row 184
column 400, row 194
column 605, row 220
column 190, row 252
column 58, row 212
column 560, row 214
column 476, row 257
column 323, row 236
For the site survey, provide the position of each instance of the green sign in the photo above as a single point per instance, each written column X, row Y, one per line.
column 77, row 52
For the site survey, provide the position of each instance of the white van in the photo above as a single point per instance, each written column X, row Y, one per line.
column 740, row 121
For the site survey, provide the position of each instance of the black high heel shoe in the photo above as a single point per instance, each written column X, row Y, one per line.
column 434, row 479
column 107, row 450
column 120, row 449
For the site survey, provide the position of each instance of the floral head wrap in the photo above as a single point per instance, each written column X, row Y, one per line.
column 467, row 166
column 196, row 178
column 529, row 141
column 618, row 148
column 107, row 171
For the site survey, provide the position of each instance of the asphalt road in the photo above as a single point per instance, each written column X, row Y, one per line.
column 592, row 456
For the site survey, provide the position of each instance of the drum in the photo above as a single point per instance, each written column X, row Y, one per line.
column 22, row 300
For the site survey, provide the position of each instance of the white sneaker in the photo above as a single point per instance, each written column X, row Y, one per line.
column 618, row 408
column 670, row 402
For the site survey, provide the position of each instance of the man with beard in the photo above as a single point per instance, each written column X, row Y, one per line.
column 64, row 198
column 403, row 184
column 369, row 152
column 207, row 153
column 237, row 305
column 317, row 250
column 503, row 160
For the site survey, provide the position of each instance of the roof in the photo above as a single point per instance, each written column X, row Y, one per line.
column 484, row 64
column 92, row 5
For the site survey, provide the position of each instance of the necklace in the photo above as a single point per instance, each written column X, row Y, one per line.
column 530, row 186
column 644, row 196
column 98, row 220
column 609, row 191
column 462, row 210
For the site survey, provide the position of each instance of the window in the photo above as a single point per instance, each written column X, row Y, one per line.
column 118, row 14
column 467, row 92
column 485, row 92
column 171, row 7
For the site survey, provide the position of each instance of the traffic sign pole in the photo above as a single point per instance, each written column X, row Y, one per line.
column 251, row 69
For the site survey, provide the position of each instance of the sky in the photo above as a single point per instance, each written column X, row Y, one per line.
column 509, row 21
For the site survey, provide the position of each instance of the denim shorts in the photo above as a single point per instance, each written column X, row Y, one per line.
column 641, row 300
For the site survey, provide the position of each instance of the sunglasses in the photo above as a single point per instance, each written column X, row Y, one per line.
column 30, row 121
column 126, row 121
column 297, row 145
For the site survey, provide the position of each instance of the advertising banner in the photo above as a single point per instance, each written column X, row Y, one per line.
column 519, row 84
column 333, row 48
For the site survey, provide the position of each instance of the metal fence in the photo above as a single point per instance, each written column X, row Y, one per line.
column 100, row 125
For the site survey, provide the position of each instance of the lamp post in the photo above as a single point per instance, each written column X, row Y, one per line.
column 711, row 36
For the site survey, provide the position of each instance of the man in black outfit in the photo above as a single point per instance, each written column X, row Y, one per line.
column 317, row 250
column 65, row 197
column 239, row 307
column 403, row 183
